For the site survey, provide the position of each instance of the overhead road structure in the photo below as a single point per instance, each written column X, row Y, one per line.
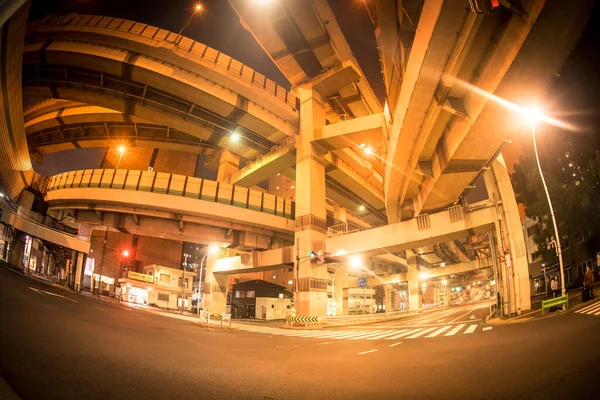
column 75, row 125
column 172, row 206
column 438, row 68
column 138, row 70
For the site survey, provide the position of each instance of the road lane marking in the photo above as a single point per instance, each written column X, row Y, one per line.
column 441, row 330
column 366, row 336
column 346, row 335
column 453, row 331
column 43, row 292
column 470, row 329
column 395, row 344
column 465, row 314
column 588, row 307
column 383, row 335
column 368, row 351
column 326, row 343
column 487, row 328
column 410, row 331
column 416, row 335
column 440, row 320
column 472, row 317
column 98, row 308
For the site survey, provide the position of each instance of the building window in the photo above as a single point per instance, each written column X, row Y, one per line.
column 250, row 294
column 579, row 238
column 565, row 243
column 240, row 294
column 281, row 295
column 187, row 282
column 163, row 297
column 164, row 278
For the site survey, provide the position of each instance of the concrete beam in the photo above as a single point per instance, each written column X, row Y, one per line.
column 168, row 203
column 351, row 133
column 455, row 269
column 422, row 231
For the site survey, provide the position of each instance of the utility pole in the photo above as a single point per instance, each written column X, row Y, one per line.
column 102, row 262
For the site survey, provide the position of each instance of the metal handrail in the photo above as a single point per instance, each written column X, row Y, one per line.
column 174, row 185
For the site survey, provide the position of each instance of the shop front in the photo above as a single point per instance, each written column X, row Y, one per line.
column 135, row 287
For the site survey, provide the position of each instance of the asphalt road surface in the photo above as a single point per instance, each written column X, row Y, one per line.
column 59, row 345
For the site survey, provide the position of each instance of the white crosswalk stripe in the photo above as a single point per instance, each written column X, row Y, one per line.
column 429, row 332
column 441, row 330
column 592, row 309
column 455, row 330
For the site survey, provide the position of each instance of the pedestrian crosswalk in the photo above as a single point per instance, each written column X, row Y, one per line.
column 370, row 334
column 592, row 309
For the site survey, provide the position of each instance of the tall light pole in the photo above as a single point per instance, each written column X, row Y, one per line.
column 197, row 9
column 211, row 250
column 534, row 116
column 186, row 256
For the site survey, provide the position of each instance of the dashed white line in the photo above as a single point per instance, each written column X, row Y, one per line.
column 487, row 328
column 368, row 351
column 326, row 343
column 471, row 329
column 98, row 308
column 395, row 344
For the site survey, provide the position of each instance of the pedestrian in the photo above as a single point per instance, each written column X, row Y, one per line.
column 554, row 286
column 588, row 282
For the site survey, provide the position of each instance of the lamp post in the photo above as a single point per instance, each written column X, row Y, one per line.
column 211, row 250
column 536, row 115
column 197, row 8
column 186, row 256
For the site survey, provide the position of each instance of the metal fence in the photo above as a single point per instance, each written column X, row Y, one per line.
column 174, row 185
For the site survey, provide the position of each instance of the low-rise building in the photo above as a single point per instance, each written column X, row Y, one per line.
column 158, row 286
column 261, row 300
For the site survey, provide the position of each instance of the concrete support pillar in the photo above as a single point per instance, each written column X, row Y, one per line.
column 511, row 241
column 341, row 282
column 79, row 271
column 339, row 212
column 388, row 300
column 415, row 295
column 215, row 286
column 310, row 298
column 229, row 164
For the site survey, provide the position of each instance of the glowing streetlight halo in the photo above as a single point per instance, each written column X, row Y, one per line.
column 355, row 262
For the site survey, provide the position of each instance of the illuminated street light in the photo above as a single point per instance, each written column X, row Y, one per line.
column 423, row 275
column 355, row 262
column 444, row 282
column 368, row 151
column 121, row 149
column 361, row 208
column 235, row 137
column 534, row 115
column 125, row 253
column 197, row 9
column 212, row 249
column 340, row 253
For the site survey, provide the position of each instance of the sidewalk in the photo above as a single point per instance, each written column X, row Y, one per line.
column 536, row 308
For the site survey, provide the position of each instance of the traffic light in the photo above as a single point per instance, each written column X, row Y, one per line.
column 125, row 253
column 483, row 6
column 317, row 256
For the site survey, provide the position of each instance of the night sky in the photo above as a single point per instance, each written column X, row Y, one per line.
column 575, row 94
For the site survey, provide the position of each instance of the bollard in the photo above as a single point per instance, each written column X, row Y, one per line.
column 222, row 317
column 207, row 317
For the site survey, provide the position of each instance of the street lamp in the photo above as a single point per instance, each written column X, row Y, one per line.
column 534, row 115
column 211, row 250
column 121, row 149
column 197, row 9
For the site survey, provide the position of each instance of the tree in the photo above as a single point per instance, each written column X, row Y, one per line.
column 572, row 172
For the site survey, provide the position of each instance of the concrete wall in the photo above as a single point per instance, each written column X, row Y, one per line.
column 275, row 308
column 165, row 252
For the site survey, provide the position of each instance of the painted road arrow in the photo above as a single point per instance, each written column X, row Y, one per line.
column 43, row 292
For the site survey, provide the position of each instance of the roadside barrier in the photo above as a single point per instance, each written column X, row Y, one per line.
column 226, row 318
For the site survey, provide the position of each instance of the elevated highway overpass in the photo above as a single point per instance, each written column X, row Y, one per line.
column 408, row 163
